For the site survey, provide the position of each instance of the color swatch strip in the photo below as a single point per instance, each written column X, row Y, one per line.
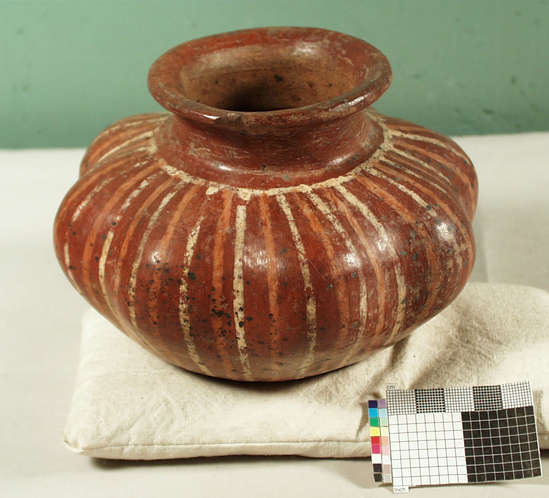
column 379, row 433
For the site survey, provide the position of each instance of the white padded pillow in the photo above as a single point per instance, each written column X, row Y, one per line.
column 129, row 404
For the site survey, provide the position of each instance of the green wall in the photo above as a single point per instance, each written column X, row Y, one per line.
column 68, row 69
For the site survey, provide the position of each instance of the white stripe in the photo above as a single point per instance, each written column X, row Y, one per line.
column 407, row 214
column 178, row 173
column 238, row 290
column 151, row 147
column 110, row 235
column 101, row 268
column 145, row 183
column 425, row 164
column 74, row 217
column 184, row 318
column 385, row 240
column 402, row 169
column 88, row 198
column 137, row 263
column 429, row 140
column 410, row 193
column 418, row 163
column 68, row 267
column 147, row 134
column 132, row 124
column 442, row 228
column 324, row 209
column 308, row 286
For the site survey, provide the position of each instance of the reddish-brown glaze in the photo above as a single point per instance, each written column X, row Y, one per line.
column 273, row 226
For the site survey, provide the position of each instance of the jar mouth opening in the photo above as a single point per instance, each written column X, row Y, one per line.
column 286, row 76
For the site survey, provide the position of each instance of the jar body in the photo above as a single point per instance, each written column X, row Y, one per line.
column 279, row 241
column 268, row 284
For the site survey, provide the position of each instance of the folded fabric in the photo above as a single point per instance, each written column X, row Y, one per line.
column 128, row 404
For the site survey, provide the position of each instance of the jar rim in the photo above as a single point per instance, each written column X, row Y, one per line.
column 373, row 75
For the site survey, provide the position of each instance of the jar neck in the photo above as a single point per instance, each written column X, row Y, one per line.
column 270, row 107
column 272, row 156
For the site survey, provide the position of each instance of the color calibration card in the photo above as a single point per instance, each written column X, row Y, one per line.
column 426, row 437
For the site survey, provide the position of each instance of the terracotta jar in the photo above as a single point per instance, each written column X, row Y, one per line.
column 272, row 225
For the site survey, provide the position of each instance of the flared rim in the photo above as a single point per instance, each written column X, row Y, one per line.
column 165, row 86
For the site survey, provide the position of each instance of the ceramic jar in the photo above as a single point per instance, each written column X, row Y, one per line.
column 272, row 225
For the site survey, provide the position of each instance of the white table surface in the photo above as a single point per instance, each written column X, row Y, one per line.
column 40, row 333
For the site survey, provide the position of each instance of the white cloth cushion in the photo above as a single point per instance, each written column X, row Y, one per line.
column 128, row 404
